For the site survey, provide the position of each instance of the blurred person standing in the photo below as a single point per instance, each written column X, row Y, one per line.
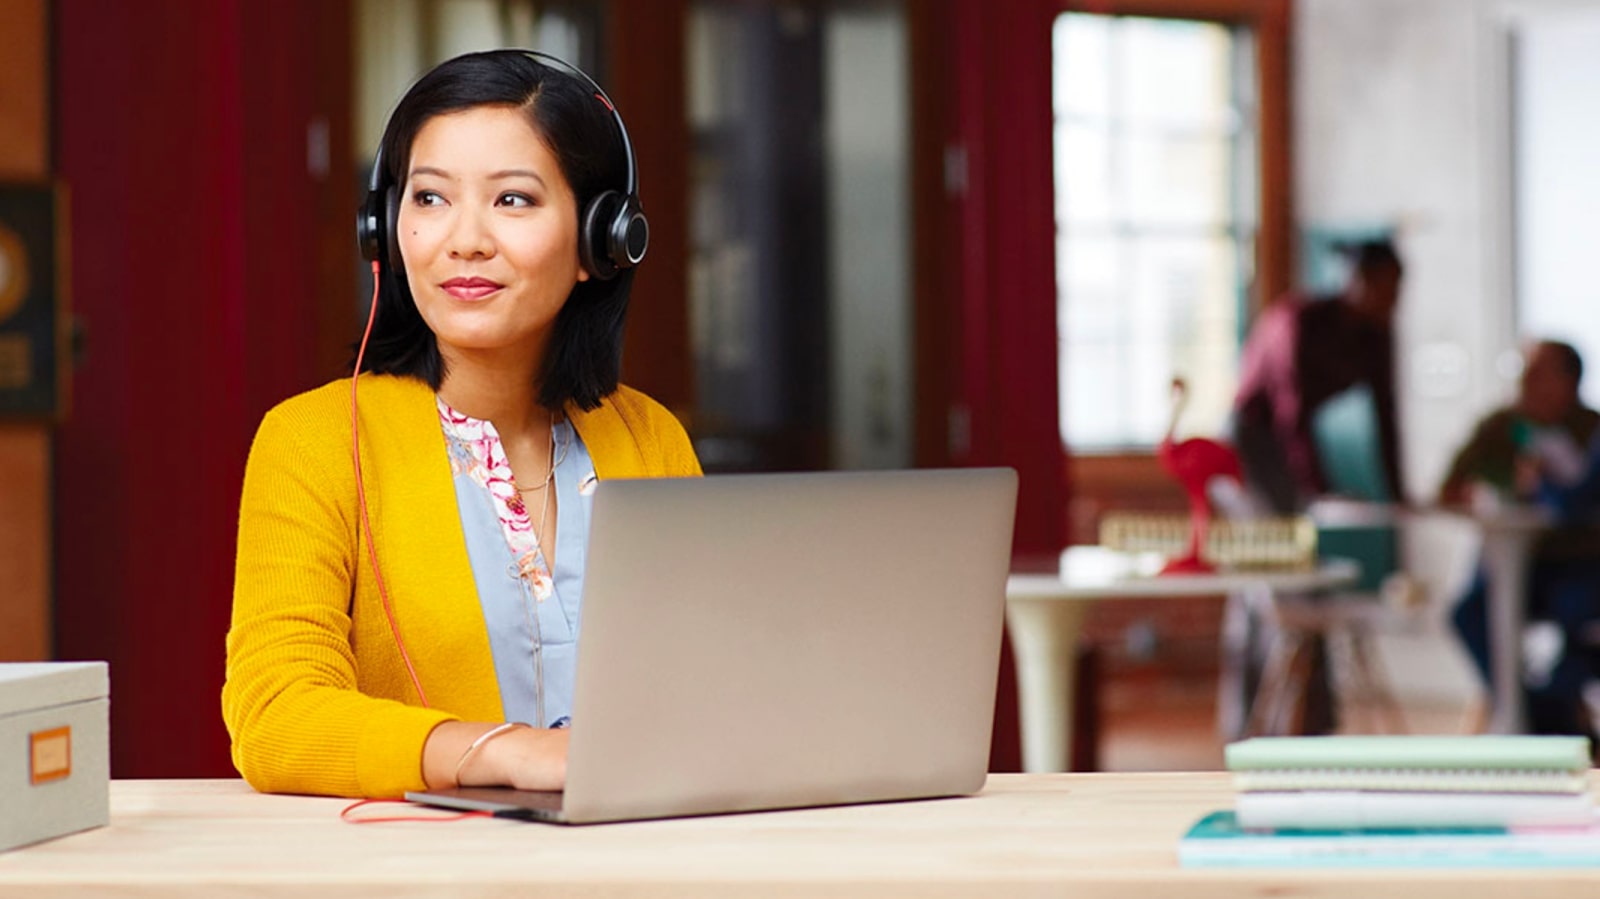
column 1302, row 352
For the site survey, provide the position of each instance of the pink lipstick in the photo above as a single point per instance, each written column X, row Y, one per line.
column 470, row 288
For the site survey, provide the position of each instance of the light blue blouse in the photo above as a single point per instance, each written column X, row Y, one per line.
column 534, row 643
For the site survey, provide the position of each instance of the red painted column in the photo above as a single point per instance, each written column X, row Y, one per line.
column 1007, row 257
column 181, row 133
column 1003, row 269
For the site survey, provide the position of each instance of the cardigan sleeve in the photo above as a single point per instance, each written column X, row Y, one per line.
column 297, row 720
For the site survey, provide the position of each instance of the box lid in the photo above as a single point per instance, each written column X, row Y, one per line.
column 25, row 686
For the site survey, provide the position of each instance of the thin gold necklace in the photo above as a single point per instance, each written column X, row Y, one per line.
column 544, row 504
column 550, row 475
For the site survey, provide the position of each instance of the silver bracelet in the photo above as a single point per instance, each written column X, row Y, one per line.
column 483, row 738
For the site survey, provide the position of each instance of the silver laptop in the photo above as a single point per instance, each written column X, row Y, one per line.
column 776, row 641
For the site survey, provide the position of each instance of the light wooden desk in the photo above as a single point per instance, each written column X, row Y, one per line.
column 1044, row 612
column 1090, row 835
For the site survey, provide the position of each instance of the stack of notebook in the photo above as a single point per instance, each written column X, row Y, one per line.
column 1403, row 801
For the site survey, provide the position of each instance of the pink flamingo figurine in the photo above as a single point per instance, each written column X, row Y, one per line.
column 1194, row 463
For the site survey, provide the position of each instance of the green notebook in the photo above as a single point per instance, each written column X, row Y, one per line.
column 1417, row 753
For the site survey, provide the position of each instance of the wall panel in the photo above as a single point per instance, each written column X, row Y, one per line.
column 24, row 446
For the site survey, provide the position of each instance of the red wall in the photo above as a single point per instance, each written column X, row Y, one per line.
column 197, row 278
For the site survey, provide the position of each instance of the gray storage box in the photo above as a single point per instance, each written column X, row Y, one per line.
column 55, row 762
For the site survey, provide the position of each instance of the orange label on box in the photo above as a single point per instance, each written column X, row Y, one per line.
column 50, row 754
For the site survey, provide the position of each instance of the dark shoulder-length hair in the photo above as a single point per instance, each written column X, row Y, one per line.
column 585, row 351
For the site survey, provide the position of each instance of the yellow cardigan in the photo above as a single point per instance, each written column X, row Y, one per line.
column 317, row 699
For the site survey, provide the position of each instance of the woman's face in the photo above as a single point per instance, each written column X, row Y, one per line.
column 488, row 232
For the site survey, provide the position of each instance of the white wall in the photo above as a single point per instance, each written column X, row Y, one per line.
column 866, row 135
column 392, row 48
column 1402, row 116
column 1390, row 111
column 1557, row 159
column 388, row 59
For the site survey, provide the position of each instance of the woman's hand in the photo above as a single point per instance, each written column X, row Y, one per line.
column 527, row 758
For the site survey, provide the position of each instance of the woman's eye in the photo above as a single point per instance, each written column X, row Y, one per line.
column 427, row 198
column 515, row 200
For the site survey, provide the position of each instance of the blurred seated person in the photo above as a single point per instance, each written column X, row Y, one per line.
column 1568, row 697
column 1547, row 418
column 1304, row 350
column 1534, row 451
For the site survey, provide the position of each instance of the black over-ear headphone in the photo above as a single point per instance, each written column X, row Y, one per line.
column 613, row 233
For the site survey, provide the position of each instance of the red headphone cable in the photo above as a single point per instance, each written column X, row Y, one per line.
column 361, row 494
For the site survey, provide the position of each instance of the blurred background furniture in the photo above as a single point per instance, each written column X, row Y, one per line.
column 1278, row 647
column 1508, row 535
column 1300, row 655
column 1044, row 613
column 1346, row 435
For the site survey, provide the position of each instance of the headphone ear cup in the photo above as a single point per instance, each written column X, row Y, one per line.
column 369, row 227
column 594, row 235
column 391, row 230
column 629, row 234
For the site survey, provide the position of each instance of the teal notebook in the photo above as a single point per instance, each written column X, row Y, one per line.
column 1217, row 841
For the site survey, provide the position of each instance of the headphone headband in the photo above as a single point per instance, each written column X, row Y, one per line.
column 559, row 64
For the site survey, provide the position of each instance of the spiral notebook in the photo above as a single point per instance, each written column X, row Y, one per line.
column 1486, row 764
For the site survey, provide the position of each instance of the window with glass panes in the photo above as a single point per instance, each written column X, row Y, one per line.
column 1156, row 179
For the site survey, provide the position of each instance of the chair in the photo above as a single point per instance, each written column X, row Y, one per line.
column 1334, row 631
column 1331, row 632
column 1345, row 431
column 1297, row 628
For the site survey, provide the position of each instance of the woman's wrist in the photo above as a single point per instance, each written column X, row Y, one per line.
column 524, row 757
column 466, row 766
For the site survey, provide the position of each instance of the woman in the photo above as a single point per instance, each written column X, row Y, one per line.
column 390, row 620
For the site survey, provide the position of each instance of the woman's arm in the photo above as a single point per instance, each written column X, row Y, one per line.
column 1388, row 419
column 291, row 700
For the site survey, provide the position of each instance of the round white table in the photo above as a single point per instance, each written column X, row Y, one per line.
column 1044, row 612
column 1509, row 534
